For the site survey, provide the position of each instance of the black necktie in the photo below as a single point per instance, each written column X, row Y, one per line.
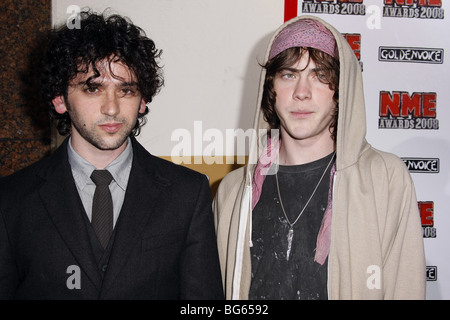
column 102, row 207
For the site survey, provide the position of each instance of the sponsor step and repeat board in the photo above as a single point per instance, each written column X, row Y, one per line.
column 401, row 46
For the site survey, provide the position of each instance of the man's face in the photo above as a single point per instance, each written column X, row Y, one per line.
column 304, row 104
column 103, row 110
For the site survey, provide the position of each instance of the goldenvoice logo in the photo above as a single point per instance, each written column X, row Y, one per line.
column 413, row 55
column 431, row 273
column 422, row 165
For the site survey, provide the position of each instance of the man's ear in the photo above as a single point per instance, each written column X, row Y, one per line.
column 142, row 106
column 60, row 104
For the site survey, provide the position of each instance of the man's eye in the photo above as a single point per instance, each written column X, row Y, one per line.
column 91, row 90
column 127, row 91
column 321, row 76
column 287, row 75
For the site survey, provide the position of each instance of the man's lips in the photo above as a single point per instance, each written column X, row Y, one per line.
column 301, row 114
column 111, row 127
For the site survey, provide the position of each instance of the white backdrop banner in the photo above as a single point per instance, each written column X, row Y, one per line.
column 401, row 46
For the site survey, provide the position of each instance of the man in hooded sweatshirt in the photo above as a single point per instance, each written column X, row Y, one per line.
column 317, row 213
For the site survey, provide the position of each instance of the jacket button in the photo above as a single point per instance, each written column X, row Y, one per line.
column 104, row 267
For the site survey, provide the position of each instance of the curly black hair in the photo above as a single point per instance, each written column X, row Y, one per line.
column 288, row 58
column 73, row 50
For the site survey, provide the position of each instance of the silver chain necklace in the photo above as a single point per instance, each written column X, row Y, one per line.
column 290, row 235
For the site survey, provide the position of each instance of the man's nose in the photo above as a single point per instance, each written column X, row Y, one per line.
column 302, row 89
column 110, row 105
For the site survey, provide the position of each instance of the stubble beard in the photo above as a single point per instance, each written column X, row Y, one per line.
column 95, row 138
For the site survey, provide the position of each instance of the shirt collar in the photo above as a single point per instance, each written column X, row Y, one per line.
column 119, row 168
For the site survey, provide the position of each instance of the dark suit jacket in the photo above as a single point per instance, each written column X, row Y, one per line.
column 164, row 243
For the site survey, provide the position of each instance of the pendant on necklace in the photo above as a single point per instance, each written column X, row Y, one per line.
column 289, row 239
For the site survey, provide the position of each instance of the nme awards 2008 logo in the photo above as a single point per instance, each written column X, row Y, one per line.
column 421, row 9
column 426, row 210
column 400, row 110
column 354, row 40
column 344, row 7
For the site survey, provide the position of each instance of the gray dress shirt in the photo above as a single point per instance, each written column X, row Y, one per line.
column 119, row 168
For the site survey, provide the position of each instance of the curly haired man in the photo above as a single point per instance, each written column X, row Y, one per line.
column 102, row 218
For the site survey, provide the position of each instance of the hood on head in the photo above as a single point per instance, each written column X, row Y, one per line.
column 351, row 130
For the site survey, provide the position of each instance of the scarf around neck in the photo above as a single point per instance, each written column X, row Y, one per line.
column 265, row 161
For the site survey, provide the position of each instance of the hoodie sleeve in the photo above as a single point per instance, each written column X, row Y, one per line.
column 404, row 261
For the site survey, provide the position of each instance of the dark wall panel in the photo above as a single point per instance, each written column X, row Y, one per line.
column 24, row 123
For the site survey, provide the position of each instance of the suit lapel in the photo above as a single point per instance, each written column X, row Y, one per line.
column 61, row 199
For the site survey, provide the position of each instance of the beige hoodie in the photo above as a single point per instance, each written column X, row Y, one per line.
column 377, row 247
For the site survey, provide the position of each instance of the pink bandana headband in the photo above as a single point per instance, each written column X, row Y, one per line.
column 304, row 33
